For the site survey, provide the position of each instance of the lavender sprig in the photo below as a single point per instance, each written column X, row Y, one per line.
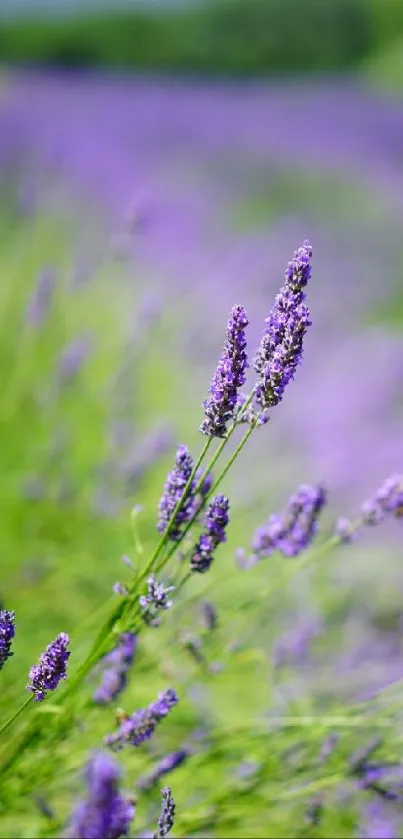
column 115, row 667
column 173, row 494
column 167, row 815
column 294, row 530
column 52, row 667
column 105, row 813
column 280, row 351
column 7, row 632
column 141, row 725
column 155, row 600
column 215, row 522
column 166, row 764
column 230, row 375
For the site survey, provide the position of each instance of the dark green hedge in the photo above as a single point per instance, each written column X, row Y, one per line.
column 225, row 37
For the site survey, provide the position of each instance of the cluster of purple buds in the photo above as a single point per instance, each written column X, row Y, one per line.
column 387, row 501
column 294, row 530
column 220, row 406
column 155, row 601
column 215, row 523
column 173, row 494
column 105, row 813
column 164, row 767
column 140, row 727
column 280, row 351
column 7, row 632
column 52, row 667
column 167, row 815
column 115, row 667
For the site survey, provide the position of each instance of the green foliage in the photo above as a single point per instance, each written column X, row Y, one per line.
column 225, row 37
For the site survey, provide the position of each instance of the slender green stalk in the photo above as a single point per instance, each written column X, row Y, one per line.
column 15, row 716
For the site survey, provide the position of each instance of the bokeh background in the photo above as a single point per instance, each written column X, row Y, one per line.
column 160, row 161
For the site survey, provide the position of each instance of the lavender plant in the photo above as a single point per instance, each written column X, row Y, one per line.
column 193, row 520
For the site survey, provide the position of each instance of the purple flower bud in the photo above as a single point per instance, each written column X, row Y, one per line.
column 7, row 632
column 52, row 667
column 215, row 522
column 105, row 813
column 280, row 350
column 167, row 815
column 136, row 729
column 115, row 668
column 173, row 493
column 230, row 375
column 40, row 301
column 344, row 530
column 155, row 600
column 73, row 358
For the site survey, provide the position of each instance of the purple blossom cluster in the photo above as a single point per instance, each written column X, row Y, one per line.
column 230, row 375
column 173, row 493
column 293, row 530
column 105, row 813
column 215, row 522
column 387, row 501
column 7, row 632
column 115, row 667
column 141, row 725
column 52, row 667
column 166, row 765
column 155, row 601
column 280, row 351
column 167, row 815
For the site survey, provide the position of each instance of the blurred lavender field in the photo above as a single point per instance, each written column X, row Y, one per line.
column 205, row 186
column 187, row 197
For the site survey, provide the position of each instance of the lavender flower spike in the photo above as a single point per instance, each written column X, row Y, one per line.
column 136, row 729
column 115, row 668
column 52, row 667
column 7, row 632
column 230, row 375
column 167, row 815
column 215, row 522
column 294, row 530
column 388, row 500
column 173, row 493
column 280, row 351
column 105, row 813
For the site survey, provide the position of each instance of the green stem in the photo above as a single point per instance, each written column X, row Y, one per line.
column 15, row 716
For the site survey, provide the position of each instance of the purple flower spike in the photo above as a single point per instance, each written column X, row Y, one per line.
column 388, row 500
column 280, row 351
column 136, row 729
column 173, row 492
column 105, row 813
column 52, row 667
column 167, row 816
column 230, row 375
column 294, row 530
column 166, row 764
column 115, row 667
column 7, row 632
column 215, row 522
